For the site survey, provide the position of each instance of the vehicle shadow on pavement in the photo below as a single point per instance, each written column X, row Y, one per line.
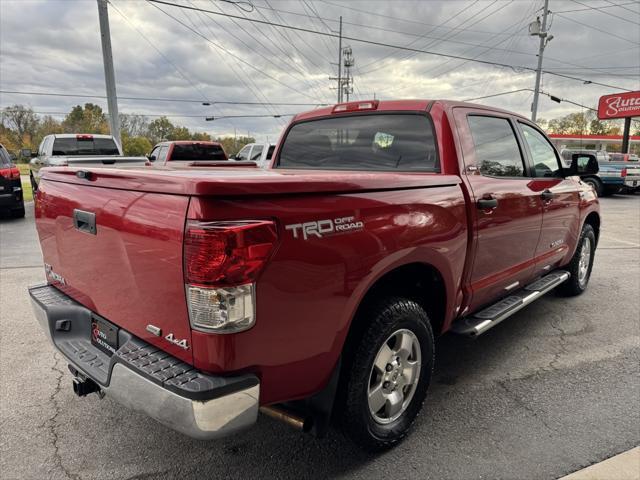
column 274, row 450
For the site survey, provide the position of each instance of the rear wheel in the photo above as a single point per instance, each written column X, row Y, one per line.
column 595, row 184
column 581, row 264
column 386, row 383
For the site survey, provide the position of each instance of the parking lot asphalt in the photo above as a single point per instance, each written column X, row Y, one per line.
column 551, row 390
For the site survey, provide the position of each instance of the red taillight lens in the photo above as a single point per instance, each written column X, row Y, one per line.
column 15, row 173
column 84, row 137
column 623, row 172
column 355, row 106
column 226, row 253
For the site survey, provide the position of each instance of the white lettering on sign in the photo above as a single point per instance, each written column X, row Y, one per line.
column 616, row 105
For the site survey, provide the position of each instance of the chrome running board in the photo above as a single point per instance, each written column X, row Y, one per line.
column 489, row 317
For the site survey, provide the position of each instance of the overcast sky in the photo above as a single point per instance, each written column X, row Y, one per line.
column 54, row 46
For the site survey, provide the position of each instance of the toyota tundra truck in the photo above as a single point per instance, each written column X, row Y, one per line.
column 310, row 291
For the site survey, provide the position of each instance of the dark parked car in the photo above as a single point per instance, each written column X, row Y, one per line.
column 11, row 200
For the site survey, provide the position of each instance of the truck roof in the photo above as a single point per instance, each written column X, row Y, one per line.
column 188, row 142
column 74, row 135
column 409, row 105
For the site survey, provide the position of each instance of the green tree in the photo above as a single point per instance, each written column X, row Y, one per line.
column 232, row 145
column 22, row 121
column 135, row 146
column 201, row 136
column 87, row 119
column 180, row 133
column 160, row 129
column 134, row 125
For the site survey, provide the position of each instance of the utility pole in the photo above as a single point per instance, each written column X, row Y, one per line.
column 340, row 63
column 109, row 75
column 535, row 30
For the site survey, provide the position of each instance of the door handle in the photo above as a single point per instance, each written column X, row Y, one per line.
column 547, row 195
column 487, row 203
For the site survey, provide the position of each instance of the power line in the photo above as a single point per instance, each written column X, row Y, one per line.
column 387, row 17
column 606, row 13
column 167, row 59
column 447, row 37
column 498, row 94
column 245, row 79
column 380, row 44
column 278, row 44
column 217, row 45
column 169, row 115
column 588, row 25
column 264, row 57
column 621, row 5
column 173, row 100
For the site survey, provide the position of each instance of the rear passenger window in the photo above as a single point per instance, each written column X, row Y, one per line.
column 497, row 151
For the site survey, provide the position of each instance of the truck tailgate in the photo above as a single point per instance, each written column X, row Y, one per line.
column 129, row 271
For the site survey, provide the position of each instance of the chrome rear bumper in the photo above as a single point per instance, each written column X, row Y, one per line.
column 146, row 379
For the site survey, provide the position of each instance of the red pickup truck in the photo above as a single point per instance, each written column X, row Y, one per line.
column 312, row 290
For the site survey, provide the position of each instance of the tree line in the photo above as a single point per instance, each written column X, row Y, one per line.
column 21, row 127
column 586, row 123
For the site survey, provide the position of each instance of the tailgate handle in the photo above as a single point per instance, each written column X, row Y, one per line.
column 84, row 221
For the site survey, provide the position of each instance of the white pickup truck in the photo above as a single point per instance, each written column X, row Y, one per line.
column 256, row 152
column 78, row 150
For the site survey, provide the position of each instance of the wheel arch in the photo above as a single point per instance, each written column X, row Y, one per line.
column 422, row 282
column 593, row 219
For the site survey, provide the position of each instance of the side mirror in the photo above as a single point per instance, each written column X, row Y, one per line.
column 152, row 158
column 25, row 153
column 584, row 164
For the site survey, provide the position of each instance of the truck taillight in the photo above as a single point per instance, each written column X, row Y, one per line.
column 221, row 263
column 623, row 172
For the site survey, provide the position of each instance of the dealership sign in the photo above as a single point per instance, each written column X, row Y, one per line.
column 619, row 105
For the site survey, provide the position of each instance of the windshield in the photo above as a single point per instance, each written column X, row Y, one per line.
column 198, row 152
column 84, row 146
column 362, row 142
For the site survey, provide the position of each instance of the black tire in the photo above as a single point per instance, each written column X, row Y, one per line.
column 595, row 183
column 18, row 212
column 385, row 317
column 34, row 185
column 576, row 284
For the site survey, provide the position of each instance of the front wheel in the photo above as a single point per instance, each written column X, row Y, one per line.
column 387, row 381
column 581, row 264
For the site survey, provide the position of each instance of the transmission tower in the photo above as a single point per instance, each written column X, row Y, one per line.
column 347, row 81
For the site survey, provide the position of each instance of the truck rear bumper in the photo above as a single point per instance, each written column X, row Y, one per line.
column 145, row 378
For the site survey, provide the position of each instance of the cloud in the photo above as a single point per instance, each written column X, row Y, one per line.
column 54, row 46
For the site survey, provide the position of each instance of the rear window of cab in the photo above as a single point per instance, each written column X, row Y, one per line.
column 383, row 141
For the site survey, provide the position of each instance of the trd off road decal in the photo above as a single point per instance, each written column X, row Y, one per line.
column 323, row 228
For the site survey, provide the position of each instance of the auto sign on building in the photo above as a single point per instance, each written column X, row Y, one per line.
column 620, row 105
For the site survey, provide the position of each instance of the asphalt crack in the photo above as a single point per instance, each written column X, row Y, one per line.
column 562, row 350
column 528, row 408
column 52, row 423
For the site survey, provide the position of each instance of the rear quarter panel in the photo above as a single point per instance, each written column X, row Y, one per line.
column 310, row 290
